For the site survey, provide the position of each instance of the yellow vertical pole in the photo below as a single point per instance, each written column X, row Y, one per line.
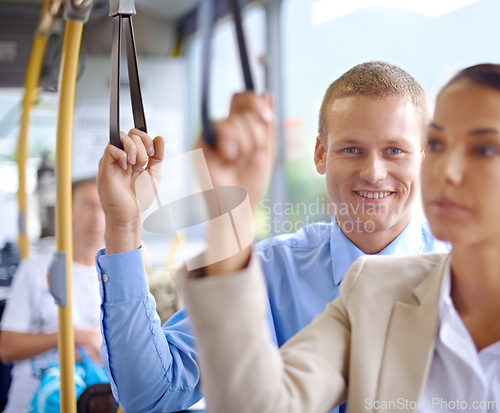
column 67, row 89
column 31, row 80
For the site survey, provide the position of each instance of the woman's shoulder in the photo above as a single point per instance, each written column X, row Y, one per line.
column 421, row 261
column 388, row 275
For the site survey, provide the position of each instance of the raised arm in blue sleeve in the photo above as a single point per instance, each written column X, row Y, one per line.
column 150, row 369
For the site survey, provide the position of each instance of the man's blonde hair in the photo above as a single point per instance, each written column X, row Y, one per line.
column 379, row 80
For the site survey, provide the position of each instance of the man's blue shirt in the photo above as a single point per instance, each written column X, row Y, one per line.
column 303, row 272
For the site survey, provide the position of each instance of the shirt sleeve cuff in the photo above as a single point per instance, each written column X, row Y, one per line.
column 121, row 276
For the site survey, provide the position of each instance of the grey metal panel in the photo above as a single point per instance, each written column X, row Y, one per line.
column 16, row 38
column 278, row 188
column 189, row 23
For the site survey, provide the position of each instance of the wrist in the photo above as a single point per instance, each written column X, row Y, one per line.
column 228, row 246
column 230, row 265
column 122, row 236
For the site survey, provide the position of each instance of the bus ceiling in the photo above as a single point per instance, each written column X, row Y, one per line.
column 159, row 24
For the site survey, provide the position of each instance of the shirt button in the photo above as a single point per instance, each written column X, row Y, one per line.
column 105, row 278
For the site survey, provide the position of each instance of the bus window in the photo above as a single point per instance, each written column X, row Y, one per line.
column 324, row 38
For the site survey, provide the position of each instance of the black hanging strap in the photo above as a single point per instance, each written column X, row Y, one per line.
column 242, row 47
column 121, row 11
column 206, row 19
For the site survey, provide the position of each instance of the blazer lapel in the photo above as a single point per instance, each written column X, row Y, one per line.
column 410, row 344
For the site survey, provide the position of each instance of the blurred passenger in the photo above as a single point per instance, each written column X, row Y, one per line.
column 407, row 333
column 371, row 137
column 30, row 321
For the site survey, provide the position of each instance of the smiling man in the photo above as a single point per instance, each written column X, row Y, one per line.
column 371, row 137
column 370, row 148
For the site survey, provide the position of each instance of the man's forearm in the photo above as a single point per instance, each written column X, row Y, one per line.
column 16, row 346
column 147, row 360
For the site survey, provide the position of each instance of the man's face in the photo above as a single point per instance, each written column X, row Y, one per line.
column 88, row 216
column 371, row 158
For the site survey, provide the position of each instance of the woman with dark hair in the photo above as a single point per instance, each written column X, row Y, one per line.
column 407, row 333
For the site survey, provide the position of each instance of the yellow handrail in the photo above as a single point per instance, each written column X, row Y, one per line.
column 67, row 89
column 50, row 8
column 30, row 96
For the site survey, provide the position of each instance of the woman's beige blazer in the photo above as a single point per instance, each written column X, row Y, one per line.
column 372, row 346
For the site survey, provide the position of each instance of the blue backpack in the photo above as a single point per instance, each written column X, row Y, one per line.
column 87, row 373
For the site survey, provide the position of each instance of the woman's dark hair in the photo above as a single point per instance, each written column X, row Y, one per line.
column 486, row 74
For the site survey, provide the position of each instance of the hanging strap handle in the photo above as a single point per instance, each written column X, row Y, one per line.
column 242, row 47
column 206, row 19
column 122, row 11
